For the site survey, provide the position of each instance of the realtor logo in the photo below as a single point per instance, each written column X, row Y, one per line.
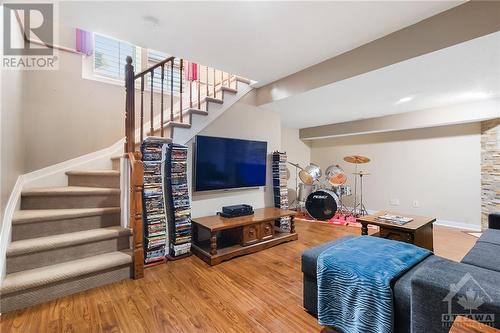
column 28, row 36
column 465, row 299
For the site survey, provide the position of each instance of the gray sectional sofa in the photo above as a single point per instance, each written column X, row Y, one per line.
column 427, row 297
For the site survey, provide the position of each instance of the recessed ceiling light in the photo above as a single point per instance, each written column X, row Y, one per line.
column 151, row 22
column 405, row 99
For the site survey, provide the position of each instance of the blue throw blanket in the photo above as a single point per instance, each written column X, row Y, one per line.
column 354, row 282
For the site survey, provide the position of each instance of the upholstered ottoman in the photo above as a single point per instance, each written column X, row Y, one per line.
column 309, row 260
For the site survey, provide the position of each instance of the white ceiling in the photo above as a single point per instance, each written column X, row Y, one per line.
column 261, row 40
column 462, row 73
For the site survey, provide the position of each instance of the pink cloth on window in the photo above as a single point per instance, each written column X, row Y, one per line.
column 84, row 42
column 192, row 71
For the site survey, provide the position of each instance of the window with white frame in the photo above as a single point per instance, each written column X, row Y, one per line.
column 110, row 57
column 170, row 73
column 108, row 61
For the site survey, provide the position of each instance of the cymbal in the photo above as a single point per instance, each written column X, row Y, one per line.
column 356, row 159
column 361, row 173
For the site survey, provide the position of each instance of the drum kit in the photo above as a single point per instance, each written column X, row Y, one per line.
column 322, row 198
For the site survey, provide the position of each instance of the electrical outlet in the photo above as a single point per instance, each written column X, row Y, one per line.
column 394, row 202
column 416, row 204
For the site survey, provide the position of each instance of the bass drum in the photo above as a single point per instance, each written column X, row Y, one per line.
column 322, row 205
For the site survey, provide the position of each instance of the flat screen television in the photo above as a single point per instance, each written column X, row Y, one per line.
column 222, row 163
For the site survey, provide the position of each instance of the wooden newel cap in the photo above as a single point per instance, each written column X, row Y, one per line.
column 129, row 60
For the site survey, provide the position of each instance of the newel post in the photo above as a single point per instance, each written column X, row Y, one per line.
column 129, row 106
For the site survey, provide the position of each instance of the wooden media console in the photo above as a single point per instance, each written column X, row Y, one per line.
column 232, row 237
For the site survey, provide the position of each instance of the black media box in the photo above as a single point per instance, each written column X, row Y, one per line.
column 236, row 210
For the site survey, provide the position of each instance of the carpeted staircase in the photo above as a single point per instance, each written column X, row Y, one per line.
column 69, row 239
column 66, row 240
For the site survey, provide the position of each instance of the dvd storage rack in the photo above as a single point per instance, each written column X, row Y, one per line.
column 155, row 218
column 280, row 188
column 178, row 202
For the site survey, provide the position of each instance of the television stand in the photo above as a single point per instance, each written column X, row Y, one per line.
column 232, row 237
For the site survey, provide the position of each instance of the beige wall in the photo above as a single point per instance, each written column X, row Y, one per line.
column 66, row 116
column 439, row 167
column 243, row 121
column 11, row 123
column 297, row 151
column 11, row 138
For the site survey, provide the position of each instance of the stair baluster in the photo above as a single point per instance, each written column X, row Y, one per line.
column 161, row 108
column 142, row 108
column 206, row 80
column 171, row 91
column 180, row 89
column 215, row 92
column 199, row 90
column 190, row 91
column 151, row 116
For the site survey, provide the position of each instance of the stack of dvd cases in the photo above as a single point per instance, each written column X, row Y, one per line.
column 155, row 219
column 178, row 202
column 280, row 188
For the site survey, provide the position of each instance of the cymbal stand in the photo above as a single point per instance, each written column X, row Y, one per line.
column 362, row 209
column 353, row 211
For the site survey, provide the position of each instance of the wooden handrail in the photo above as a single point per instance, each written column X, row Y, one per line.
column 132, row 152
column 152, row 68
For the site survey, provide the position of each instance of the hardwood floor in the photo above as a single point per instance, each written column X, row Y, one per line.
column 261, row 292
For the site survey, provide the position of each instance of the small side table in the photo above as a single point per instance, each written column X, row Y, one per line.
column 418, row 231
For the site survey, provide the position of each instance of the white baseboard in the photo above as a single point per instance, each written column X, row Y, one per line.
column 458, row 225
column 55, row 175
column 441, row 222
column 5, row 234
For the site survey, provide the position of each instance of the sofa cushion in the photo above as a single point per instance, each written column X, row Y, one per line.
column 402, row 292
column 490, row 236
column 484, row 255
column 310, row 256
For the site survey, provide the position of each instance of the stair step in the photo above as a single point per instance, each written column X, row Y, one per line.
column 35, row 223
column 177, row 124
column 198, row 111
column 230, row 90
column 37, row 252
column 94, row 178
column 214, row 100
column 242, row 79
column 35, row 286
column 67, row 197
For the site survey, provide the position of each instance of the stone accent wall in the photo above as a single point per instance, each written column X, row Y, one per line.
column 490, row 169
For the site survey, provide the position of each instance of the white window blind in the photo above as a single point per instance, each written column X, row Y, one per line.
column 155, row 57
column 110, row 57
